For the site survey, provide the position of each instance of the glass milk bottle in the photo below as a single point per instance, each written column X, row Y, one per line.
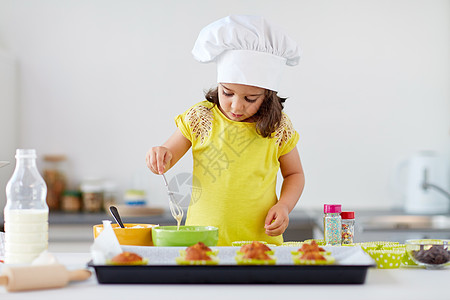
column 26, row 211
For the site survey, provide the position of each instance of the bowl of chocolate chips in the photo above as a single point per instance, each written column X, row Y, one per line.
column 431, row 253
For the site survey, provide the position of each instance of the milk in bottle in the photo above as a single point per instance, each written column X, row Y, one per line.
column 26, row 211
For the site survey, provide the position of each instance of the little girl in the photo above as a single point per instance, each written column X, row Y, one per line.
column 239, row 135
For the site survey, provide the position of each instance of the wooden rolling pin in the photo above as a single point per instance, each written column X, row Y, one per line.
column 40, row 277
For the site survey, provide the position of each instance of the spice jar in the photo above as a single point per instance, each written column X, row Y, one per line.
column 135, row 197
column 92, row 196
column 109, row 194
column 54, row 177
column 71, row 201
column 332, row 224
column 348, row 227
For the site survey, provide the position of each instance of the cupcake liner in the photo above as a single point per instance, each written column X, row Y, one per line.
column 319, row 242
column 248, row 261
column 180, row 260
column 143, row 262
column 407, row 261
column 242, row 243
column 387, row 259
column 214, row 252
column 329, row 260
column 292, row 244
column 377, row 245
column 296, row 252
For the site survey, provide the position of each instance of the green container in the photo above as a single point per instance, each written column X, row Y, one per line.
column 169, row 236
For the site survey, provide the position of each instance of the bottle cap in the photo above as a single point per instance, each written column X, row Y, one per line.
column 25, row 153
column 332, row 208
column 348, row 215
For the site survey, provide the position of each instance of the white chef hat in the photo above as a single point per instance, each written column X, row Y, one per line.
column 247, row 49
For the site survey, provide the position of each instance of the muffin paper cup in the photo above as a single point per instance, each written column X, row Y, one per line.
column 214, row 252
column 318, row 241
column 378, row 245
column 329, row 260
column 246, row 261
column 182, row 261
column 296, row 252
column 387, row 259
column 144, row 261
column 242, row 243
column 407, row 261
column 292, row 244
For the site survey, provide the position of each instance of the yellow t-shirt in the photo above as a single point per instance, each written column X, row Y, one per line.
column 234, row 173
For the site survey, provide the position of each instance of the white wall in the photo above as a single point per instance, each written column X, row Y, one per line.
column 8, row 118
column 101, row 82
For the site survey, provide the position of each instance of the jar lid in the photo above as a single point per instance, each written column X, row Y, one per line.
column 332, row 208
column 91, row 188
column 348, row 215
column 134, row 193
column 75, row 193
column 54, row 157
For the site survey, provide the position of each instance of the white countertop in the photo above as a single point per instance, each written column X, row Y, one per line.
column 403, row 283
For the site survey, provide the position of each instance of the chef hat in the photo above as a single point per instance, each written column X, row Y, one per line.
column 247, row 49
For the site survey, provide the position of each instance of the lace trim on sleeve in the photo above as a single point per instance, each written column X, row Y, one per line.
column 200, row 119
column 284, row 132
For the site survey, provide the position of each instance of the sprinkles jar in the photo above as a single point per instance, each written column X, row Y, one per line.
column 332, row 224
column 348, row 227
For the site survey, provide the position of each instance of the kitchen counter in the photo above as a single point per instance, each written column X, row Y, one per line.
column 403, row 283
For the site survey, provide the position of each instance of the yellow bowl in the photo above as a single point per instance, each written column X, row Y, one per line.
column 132, row 234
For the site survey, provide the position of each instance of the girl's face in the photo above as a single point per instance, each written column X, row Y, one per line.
column 240, row 102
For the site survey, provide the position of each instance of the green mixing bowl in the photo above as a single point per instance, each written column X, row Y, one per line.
column 166, row 236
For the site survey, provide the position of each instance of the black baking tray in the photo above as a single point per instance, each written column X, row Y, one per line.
column 231, row 274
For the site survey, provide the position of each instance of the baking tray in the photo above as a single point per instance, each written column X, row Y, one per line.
column 231, row 274
column 164, row 271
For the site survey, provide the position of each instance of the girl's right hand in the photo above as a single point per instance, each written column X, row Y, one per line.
column 158, row 159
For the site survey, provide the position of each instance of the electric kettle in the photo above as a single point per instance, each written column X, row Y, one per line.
column 427, row 184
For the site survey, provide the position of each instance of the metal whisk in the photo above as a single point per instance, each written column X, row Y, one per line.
column 175, row 208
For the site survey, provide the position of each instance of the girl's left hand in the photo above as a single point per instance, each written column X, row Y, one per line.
column 277, row 219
